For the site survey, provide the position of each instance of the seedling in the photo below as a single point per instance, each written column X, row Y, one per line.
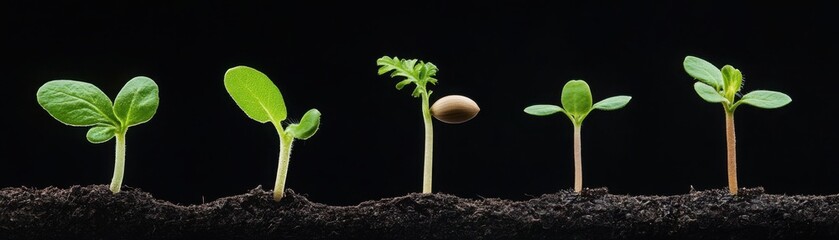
column 420, row 74
column 261, row 100
column 82, row 104
column 721, row 86
column 576, row 104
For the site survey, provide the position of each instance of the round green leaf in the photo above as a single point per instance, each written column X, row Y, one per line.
column 255, row 94
column 76, row 103
column 576, row 98
column 307, row 126
column 612, row 103
column 100, row 134
column 765, row 99
column 137, row 102
column 703, row 71
column 543, row 109
column 708, row 93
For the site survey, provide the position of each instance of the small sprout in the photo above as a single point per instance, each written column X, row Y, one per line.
column 420, row 74
column 721, row 86
column 454, row 109
column 261, row 100
column 577, row 104
column 82, row 104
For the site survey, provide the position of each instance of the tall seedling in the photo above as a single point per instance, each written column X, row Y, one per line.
column 82, row 104
column 420, row 74
column 577, row 104
column 722, row 86
column 261, row 100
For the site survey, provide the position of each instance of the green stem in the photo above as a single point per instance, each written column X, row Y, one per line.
column 119, row 163
column 282, row 169
column 732, row 152
column 578, row 159
column 429, row 145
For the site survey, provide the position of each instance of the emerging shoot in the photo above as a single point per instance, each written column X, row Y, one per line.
column 420, row 74
column 261, row 100
column 577, row 104
column 82, row 104
column 721, row 86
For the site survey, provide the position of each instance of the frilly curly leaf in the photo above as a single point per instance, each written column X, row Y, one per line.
column 414, row 71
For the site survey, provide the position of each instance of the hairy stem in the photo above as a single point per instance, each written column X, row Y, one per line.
column 282, row 169
column 732, row 152
column 119, row 163
column 429, row 145
column 578, row 159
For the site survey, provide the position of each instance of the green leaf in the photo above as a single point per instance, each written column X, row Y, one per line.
column 431, row 69
column 255, row 94
column 576, row 98
column 387, row 64
column 137, row 102
column 100, row 134
column 708, row 93
column 402, row 84
column 432, row 81
column 703, row 71
column 76, row 103
column 612, row 103
column 417, row 92
column 765, row 99
column 733, row 79
column 307, row 127
column 413, row 70
column 543, row 109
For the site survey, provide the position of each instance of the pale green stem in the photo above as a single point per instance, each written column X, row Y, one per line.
column 732, row 152
column 282, row 169
column 578, row 159
column 119, row 163
column 429, row 145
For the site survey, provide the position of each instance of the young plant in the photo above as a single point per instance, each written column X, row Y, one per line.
column 721, row 86
column 261, row 100
column 577, row 104
column 82, row 104
column 420, row 74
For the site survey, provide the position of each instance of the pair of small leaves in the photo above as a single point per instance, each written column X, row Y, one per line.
column 721, row 85
column 413, row 70
column 82, row 104
column 576, row 102
column 262, row 101
column 728, row 80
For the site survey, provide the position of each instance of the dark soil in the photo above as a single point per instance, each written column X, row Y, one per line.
column 93, row 212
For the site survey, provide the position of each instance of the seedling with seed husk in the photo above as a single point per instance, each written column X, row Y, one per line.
column 717, row 85
column 451, row 109
column 262, row 101
column 82, row 104
column 577, row 104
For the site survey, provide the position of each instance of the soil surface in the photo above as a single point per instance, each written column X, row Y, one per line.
column 93, row 212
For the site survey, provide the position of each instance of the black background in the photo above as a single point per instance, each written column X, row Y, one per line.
column 200, row 146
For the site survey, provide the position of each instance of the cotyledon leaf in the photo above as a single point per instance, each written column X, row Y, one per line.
column 255, row 94
column 137, row 102
column 765, row 99
column 307, row 127
column 543, row 109
column 708, row 93
column 76, row 103
column 612, row 103
column 703, row 71
column 100, row 134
